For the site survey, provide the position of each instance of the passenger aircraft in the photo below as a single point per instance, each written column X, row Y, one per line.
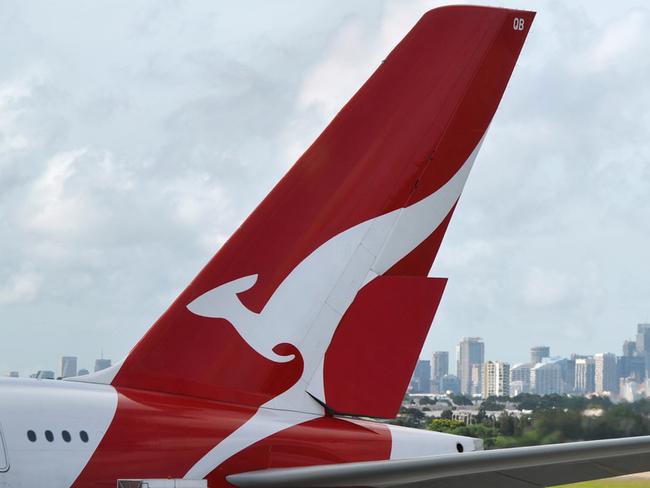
column 266, row 370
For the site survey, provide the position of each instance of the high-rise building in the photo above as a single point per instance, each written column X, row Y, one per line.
column 631, row 367
column 605, row 374
column 496, row 379
column 629, row 390
column 102, row 364
column 68, row 366
column 568, row 374
column 470, row 352
column 629, row 348
column 451, row 383
column 585, row 375
column 477, row 379
column 421, row 381
column 546, row 377
column 520, row 377
column 83, row 372
column 538, row 353
column 13, row 374
column 439, row 369
column 643, row 345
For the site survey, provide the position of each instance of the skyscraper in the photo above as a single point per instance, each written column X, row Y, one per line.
column 631, row 367
column 585, row 376
column 643, row 345
column 629, row 348
column 496, row 379
column 546, row 377
column 477, row 379
column 642, row 339
column 471, row 351
column 439, row 369
column 102, row 364
column 520, row 376
column 421, row 381
column 68, row 366
column 605, row 374
column 538, row 353
column 450, row 383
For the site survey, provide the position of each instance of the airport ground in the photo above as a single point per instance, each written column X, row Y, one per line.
column 641, row 480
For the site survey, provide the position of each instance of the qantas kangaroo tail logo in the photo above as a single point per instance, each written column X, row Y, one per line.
column 370, row 199
column 308, row 305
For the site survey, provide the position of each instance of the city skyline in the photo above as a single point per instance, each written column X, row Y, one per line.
column 523, row 356
column 625, row 373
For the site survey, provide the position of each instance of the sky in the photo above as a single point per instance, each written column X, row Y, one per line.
column 135, row 136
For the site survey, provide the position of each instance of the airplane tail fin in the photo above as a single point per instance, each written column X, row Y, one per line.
column 335, row 259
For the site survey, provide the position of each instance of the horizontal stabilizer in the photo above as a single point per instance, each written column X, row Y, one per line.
column 520, row 467
column 368, row 365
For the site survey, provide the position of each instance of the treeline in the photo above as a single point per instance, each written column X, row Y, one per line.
column 540, row 420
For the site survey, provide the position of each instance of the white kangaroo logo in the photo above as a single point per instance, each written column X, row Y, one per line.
column 307, row 306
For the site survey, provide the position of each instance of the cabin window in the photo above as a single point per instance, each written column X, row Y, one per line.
column 49, row 436
column 31, row 435
column 66, row 436
column 83, row 435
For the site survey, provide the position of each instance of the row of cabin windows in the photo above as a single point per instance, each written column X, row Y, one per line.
column 49, row 436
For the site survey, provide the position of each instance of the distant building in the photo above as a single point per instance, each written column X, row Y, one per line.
column 520, row 378
column 496, row 379
column 605, row 375
column 451, row 383
column 568, row 374
column 517, row 388
column 439, row 369
column 643, row 345
column 546, row 377
column 421, row 381
column 43, row 374
column 629, row 390
column 68, row 366
column 538, row 353
column 102, row 364
column 477, row 380
column 585, row 375
column 629, row 348
column 642, row 339
column 83, row 372
column 631, row 367
column 13, row 374
column 470, row 351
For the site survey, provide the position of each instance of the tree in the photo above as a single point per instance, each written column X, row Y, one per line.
column 447, row 414
column 461, row 400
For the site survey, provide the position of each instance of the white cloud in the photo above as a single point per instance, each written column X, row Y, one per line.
column 20, row 288
column 49, row 209
column 548, row 288
column 620, row 42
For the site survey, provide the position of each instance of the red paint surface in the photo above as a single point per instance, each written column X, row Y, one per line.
column 325, row 440
column 374, row 350
column 155, row 435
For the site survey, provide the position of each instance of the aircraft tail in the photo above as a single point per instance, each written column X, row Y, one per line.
column 325, row 285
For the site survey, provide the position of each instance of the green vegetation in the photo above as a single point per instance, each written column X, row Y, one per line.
column 542, row 420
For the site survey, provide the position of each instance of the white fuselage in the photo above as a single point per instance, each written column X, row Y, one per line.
column 56, row 407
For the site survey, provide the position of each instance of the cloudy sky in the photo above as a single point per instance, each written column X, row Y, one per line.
column 136, row 135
